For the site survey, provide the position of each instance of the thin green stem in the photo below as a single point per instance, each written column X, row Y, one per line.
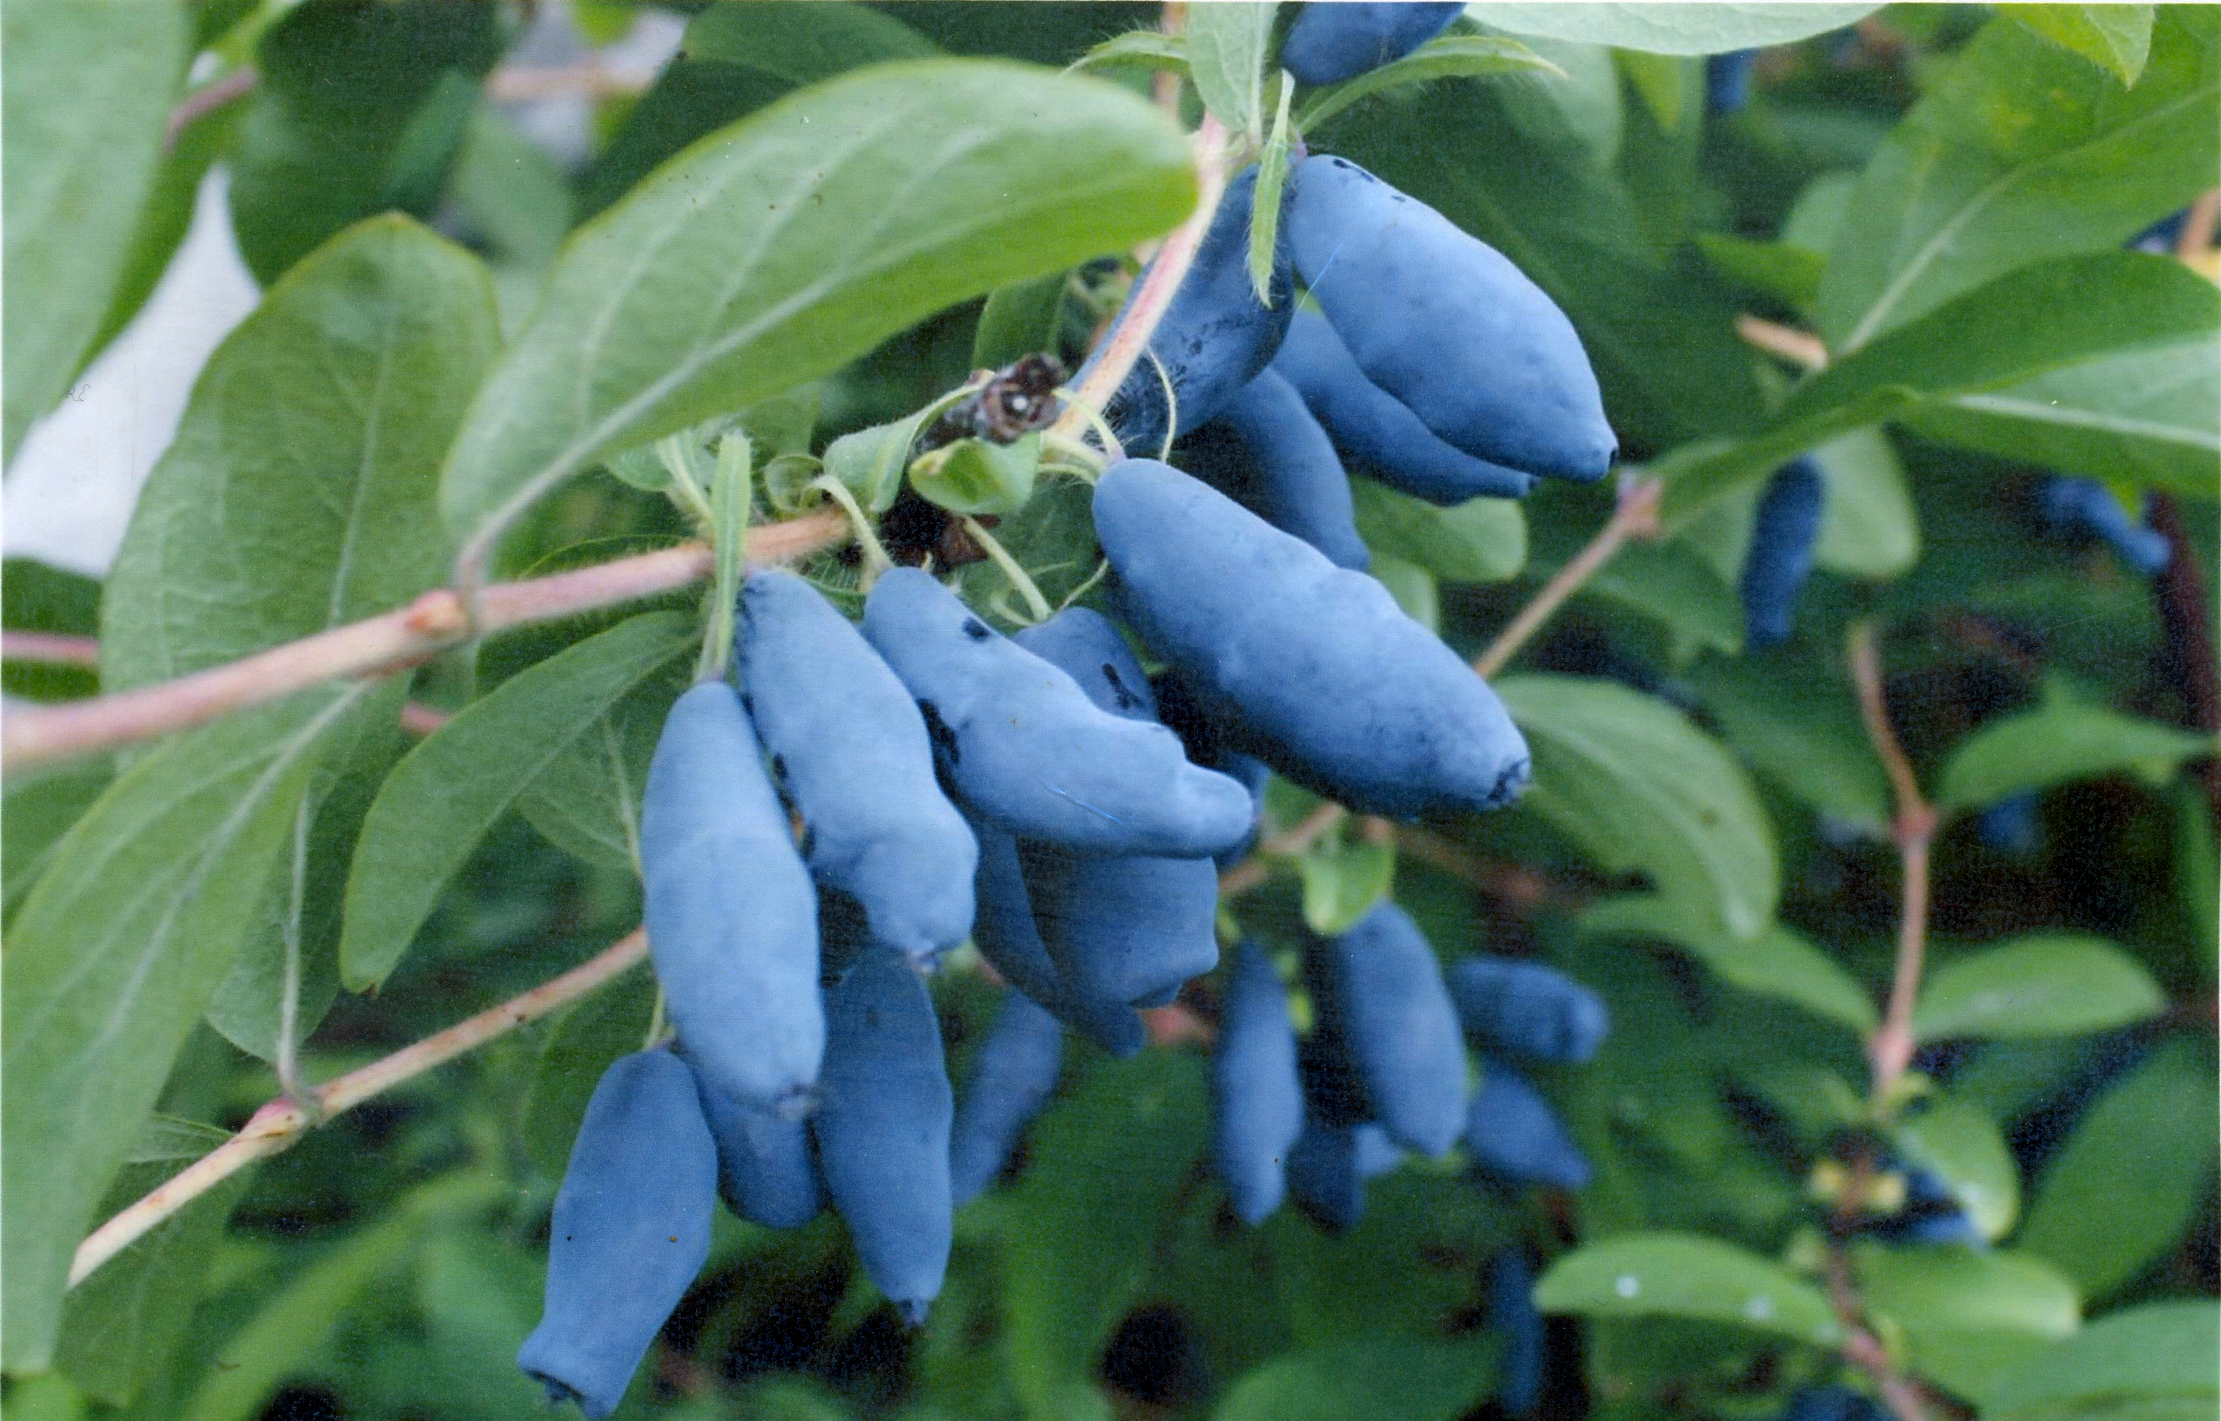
column 1037, row 604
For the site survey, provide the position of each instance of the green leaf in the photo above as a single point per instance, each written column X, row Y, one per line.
column 1137, row 49
column 121, row 1325
column 1672, row 585
column 40, row 598
column 1672, row 28
column 2148, row 1363
column 1801, row 731
column 1019, row 320
column 1778, row 962
column 1052, row 538
column 2022, row 152
column 88, row 88
column 586, row 801
column 2132, row 1178
column 1104, row 1171
column 299, row 491
column 1451, row 56
column 444, row 795
column 1341, row 883
column 1961, row 1145
column 2045, row 984
column 1778, row 269
column 1373, row 1380
column 1272, row 181
column 1688, row 1276
column 977, row 476
column 35, row 811
column 361, row 107
column 1412, row 586
column 111, row 959
column 1869, row 526
column 777, row 249
column 2058, row 741
column 2116, row 38
column 511, row 191
column 1968, row 1318
column 1480, row 540
column 871, row 463
column 1226, row 44
column 1628, row 776
column 580, row 1045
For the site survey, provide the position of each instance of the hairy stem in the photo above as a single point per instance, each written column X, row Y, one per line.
column 281, row 1123
column 394, row 641
column 1636, row 516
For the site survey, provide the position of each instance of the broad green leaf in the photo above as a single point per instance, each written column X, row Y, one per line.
column 1480, row 540
column 1869, row 527
column 2045, row 984
column 777, row 249
column 1673, row 28
column 45, row 1397
column 587, row 800
column 1778, row 269
column 511, row 191
column 2058, row 741
column 122, row 1324
column 1686, row 1276
column 1342, row 882
column 1672, row 585
column 1669, row 86
column 448, row 791
column 2148, row 1363
column 1961, row 1145
column 1969, row 1319
column 1374, row 1380
column 2023, row 152
column 1396, row 1273
column 36, row 810
column 299, row 491
column 111, row 959
column 1412, row 586
column 2131, row 1179
column 1628, row 776
column 1226, row 46
column 88, row 88
column 2116, row 38
column 1802, row 732
column 1779, row 962
column 2145, row 416
column 1105, row 1168
column 977, row 476
column 580, row 1045
column 293, row 1323
column 1019, row 320
column 1451, row 56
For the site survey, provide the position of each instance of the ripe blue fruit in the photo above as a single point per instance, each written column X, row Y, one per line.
column 1012, row 1078
column 731, row 913
column 1383, row 999
column 2012, row 825
column 1833, row 1403
column 1269, row 454
column 1322, row 1175
column 1213, row 338
column 1008, row 935
column 1727, row 80
column 1330, row 43
column 1779, row 559
column 631, row 1229
column 2087, row 506
column 1446, row 324
column 882, row 1127
column 1029, row 753
column 1312, row 668
column 848, row 743
column 1512, row 1315
column 1511, row 1133
column 1375, row 435
column 765, row 1171
column 1527, row 1009
column 1256, row 1096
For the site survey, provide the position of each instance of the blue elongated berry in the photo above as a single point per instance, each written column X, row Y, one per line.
column 2011, row 826
column 882, row 1128
column 2161, row 237
column 1384, row 999
column 731, row 913
column 1028, row 752
column 1374, row 1150
column 1779, row 559
column 1213, row 338
column 1527, row 1009
column 2087, row 506
column 1256, row 1096
column 1375, row 435
column 1008, row 935
column 1727, row 80
column 1833, row 1403
column 1512, row 1315
column 1012, row 1078
column 765, row 1171
column 847, row 741
column 1322, row 1176
column 1332, row 42
column 631, row 1229
column 1512, row 1134
column 1442, row 321
column 1269, row 454
column 1119, row 929
column 1312, row 668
